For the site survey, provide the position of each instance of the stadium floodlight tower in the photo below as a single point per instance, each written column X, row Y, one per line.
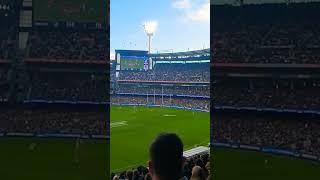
column 150, row 27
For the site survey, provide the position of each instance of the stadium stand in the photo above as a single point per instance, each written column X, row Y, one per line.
column 193, row 90
column 183, row 80
column 290, row 35
column 67, row 86
column 67, row 45
column 171, row 72
column 265, row 95
column 52, row 94
column 4, row 84
column 281, row 94
column 55, row 119
column 298, row 134
column 54, row 69
column 8, row 45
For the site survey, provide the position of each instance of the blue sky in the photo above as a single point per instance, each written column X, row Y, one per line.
column 257, row 1
column 182, row 24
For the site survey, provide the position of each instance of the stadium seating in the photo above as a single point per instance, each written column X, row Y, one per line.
column 296, row 134
column 166, row 90
column 8, row 30
column 289, row 36
column 53, row 120
column 47, row 70
column 171, row 72
column 68, row 45
column 266, row 105
column 67, row 86
column 7, row 49
column 262, row 93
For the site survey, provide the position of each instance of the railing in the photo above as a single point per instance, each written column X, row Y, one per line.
column 164, row 95
column 165, row 82
column 278, row 110
column 269, row 150
column 39, row 101
column 166, row 106
column 52, row 135
column 66, row 61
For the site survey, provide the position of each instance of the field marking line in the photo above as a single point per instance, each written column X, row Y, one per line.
column 169, row 115
column 118, row 124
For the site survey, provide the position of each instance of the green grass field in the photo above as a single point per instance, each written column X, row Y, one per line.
column 134, row 128
column 248, row 165
column 53, row 159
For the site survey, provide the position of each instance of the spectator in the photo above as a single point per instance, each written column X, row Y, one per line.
column 198, row 173
column 166, row 158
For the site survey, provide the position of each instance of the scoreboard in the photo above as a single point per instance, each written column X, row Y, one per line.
column 133, row 60
column 134, row 63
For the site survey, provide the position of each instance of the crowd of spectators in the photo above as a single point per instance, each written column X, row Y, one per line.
column 3, row 84
column 67, row 86
column 195, row 168
column 53, row 120
column 165, row 72
column 198, row 72
column 8, row 29
column 4, row 93
column 8, row 42
column 198, row 103
column 112, row 71
column 249, row 34
column 68, row 45
column 167, row 90
column 3, row 75
column 7, row 49
column 297, row 134
column 295, row 94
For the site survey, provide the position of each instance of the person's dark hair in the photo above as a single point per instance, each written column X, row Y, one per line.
column 129, row 175
column 166, row 153
column 123, row 175
column 147, row 177
column 135, row 175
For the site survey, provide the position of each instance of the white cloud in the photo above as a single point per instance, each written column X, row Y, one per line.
column 195, row 11
column 202, row 14
column 181, row 4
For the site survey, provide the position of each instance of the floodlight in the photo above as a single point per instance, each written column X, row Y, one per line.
column 150, row 27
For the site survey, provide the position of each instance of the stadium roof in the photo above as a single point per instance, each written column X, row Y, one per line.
column 197, row 53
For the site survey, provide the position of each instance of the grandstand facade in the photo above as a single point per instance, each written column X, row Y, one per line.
column 174, row 79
